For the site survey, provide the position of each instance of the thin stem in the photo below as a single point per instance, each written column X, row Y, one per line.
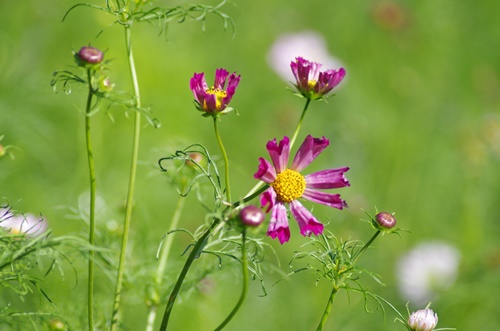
column 90, row 158
column 226, row 160
column 368, row 243
column 328, row 308
column 299, row 125
column 244, row 290
column 195, row 253
column 165, row 251
column 131, row 186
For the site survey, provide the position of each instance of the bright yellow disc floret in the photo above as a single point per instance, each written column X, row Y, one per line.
column 219, row 95
column 289, row 185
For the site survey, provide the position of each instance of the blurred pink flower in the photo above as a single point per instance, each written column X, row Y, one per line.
column 22, row 224
column 287, row 185
column 427, row 269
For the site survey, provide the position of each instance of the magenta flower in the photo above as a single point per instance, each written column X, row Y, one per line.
column 312, row 83
column 287, row 185
column 214, row 100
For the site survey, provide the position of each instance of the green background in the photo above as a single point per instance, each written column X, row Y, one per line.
column 417, row 121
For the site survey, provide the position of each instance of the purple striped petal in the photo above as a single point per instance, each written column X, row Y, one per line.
column 231, row 89
column 279, row 153
column 220, row 78
column 268, row 198
column 210, row 104
column 327, row 199
column 326, row 179
column 307, row 222
column 265, row 172
column 278, row 227
column 308, row 151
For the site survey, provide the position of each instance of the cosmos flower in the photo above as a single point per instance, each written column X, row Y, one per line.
column 287, row 185
column 308, row 44
column 427, row 269
column 423, row 320
column 22, row 224
column 215, row 99
column 312, row 83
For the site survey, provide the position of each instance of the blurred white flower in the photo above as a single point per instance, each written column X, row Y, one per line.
column 423, row 320
column 427, row 269
column 28, row 224
column 307, row 44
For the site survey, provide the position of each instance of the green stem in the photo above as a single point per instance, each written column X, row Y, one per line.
column 244, row 290
column 328, row 308
column 226, row 160
column 195, row 253
column 165, row 251
column 368, row 243
column 299, row 125
column 90, row 158
column 131, row 186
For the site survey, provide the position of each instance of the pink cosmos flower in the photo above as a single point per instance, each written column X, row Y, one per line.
column 287, row 185
column 215, row 99
column 312, row 83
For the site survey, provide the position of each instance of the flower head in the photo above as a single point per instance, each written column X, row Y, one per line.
column 22, row 224
column 215, row 99
column 423, row 320
column 287, row 185
column 312, row 83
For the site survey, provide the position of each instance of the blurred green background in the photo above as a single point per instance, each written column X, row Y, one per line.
column 417, row 120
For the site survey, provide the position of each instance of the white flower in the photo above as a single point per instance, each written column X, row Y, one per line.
column 28, row 224
column 307, row 44
column 427, row 269
column 423, row 320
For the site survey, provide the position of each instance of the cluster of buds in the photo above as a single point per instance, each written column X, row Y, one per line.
column 92, row 57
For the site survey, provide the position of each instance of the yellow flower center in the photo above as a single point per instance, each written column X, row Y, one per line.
column 289, row 185
column 219, row 95
column 311, row 83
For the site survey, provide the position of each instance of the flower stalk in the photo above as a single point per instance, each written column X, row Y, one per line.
column 226, row 160
column 164, row 254
column 92, row 186
column 244, row 290
column 328, row 308
column 299, row 125
column 132, row 176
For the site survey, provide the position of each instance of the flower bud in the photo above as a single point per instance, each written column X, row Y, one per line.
column 252, row 216
column 423, row 320
column 57, row 325
column 89, row 55
column 385, row 220
column 196, row 157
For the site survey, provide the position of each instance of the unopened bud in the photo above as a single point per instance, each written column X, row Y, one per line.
column 252, row 216
column 423, row 320
column 385, row 220
column 90, row 55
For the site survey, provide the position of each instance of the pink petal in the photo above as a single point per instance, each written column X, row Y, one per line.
column 327, row 199
column 326, row 179
column 308, row 151
column 198, row 87
column 279, row 153
column 278, row 227
column 307, row 222
column 265, row 172
column 268, row 198
column 220, row 78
